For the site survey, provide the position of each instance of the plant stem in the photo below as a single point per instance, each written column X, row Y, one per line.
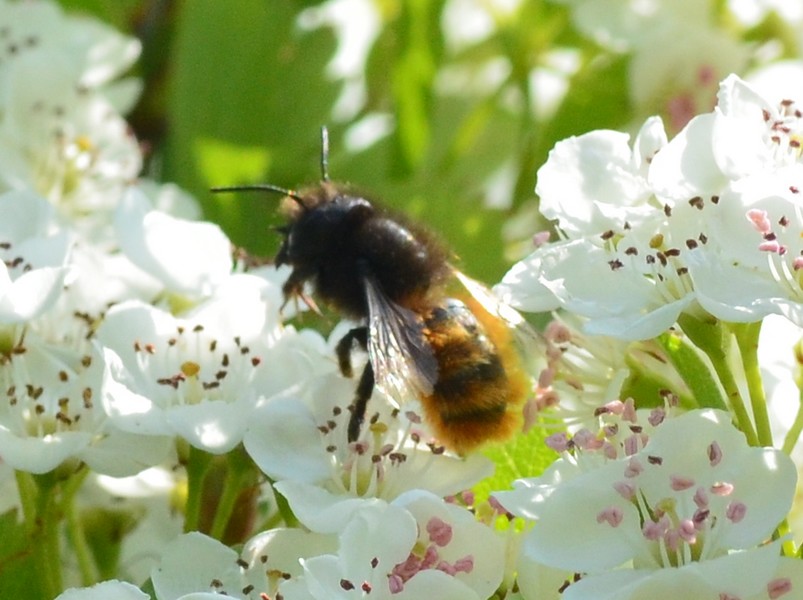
column 45, row 536
column 793, row 434
column 694, row 371
column 26, row 486
column 714, row 339
column 239, row 469
column 289, row 517
column 198, row 465
column 75, row 528
column 747, row 339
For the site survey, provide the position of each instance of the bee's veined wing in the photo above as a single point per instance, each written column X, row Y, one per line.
column 527, row 337
column 489, row 301
column 403, row 361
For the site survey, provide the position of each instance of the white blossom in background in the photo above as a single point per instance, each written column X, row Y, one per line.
column 675, row 80
column 100, row 52
column 660, row 508
column 61, row 133
column 34, row 253
column 64, row 141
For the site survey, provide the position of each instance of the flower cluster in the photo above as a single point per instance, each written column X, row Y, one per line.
column 682, row 518
column 676, row 250
column 133, row 343
column 705, row 224
column 164, row 421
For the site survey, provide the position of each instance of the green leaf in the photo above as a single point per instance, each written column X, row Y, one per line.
column 694, row 370
column 105, row 531
column 526, row 455
column 244, row 79
column 20, row 576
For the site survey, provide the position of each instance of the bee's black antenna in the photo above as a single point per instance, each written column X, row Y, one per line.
column 324, row 153
column 261, row 187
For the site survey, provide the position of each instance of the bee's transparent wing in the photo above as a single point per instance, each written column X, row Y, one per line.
column 527, row 338
column 403, row 361
column 489, row 301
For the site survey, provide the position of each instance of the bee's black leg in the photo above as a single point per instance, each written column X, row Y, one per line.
column 364, row 390
column 344, row 346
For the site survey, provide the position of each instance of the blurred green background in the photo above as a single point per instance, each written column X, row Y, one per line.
column 445, row 111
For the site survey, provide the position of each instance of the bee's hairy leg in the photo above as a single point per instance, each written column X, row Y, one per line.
column 344, row 347
column 364, row 390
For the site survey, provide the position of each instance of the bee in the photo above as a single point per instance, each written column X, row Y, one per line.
column 429, row 330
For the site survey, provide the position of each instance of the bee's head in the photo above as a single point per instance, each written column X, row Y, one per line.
column 319, row 217
column 320, row 222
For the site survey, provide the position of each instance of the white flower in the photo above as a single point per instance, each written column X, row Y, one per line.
column 626, row 287
column 51, row 413
column 418, row 546
column 59, row 132
column 188, row 257
column 623, row 23
column 194, row 565
column 146, row 503
column 595, row 182
column 755, row 574
column 745, row 135
column 106, row 590
column 66, row 142
column 751, row 262
column 197, row 376
column 99, row 52
column 585, row 374
column 679, row 81
column 300, row 441
column 663, row 505
column 713, row 228
column 34, row 252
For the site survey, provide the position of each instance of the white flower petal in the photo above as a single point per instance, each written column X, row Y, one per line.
column 585, row 172
column 281, row 439
column 105, row 590
column 123, row 454
column 41, row 454
column 31, row 294
column 686, row 166
column 217, row 426
column 189, row 564
column 320, row 510
column 187, row 256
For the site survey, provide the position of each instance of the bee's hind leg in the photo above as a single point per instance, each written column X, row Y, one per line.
column 345, row 345
column 364, row 390
column 365, row 387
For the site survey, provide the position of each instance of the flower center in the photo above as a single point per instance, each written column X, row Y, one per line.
column 196, row 366
column 784, row 132
column 427, row 554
